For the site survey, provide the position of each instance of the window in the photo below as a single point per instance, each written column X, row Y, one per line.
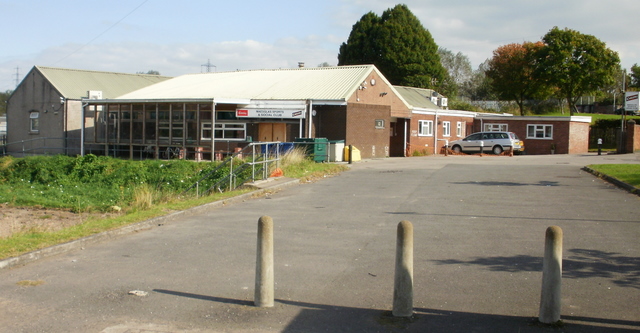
column 446, row 128
column 379, row 123
column 205, row 131
column 34, row 121
column 539, row 131
column 225, row 131
column 425, row 127
column 496, row 127
column 460, row 129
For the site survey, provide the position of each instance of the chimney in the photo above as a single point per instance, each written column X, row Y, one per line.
column 301, row 65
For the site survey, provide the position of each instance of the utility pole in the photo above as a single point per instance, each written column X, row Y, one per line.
column 17, row 76
column 208, row 66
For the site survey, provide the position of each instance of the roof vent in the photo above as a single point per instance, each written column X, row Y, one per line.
column 301, row 65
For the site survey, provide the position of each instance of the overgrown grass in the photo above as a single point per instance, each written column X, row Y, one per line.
column 151, row 198
column 628, row 173
column 93, row 183
column 295, row 164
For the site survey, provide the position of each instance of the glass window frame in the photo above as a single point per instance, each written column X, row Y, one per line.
column 544, row 130
column 493, row 127
column 34, row 121
column 207, row 129
column 446, row 128
column 425, row 127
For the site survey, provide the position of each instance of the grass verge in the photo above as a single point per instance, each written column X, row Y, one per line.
column 143, row 208
column 628, row 173
column 34, row 240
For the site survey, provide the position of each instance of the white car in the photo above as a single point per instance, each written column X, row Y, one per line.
column 495, row 142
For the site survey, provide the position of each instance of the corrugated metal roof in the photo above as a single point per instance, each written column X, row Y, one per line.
column 417, row 97
column 319, row 83
column 74, row 83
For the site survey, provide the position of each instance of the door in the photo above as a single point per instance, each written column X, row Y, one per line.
column 272, row 132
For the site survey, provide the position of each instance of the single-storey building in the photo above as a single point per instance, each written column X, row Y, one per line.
column 211, row 115
column 431, row 126
column 44, row 111
column 541, row 135
column 215, row 114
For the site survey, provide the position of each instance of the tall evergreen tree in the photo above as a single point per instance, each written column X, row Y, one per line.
column 399, row 46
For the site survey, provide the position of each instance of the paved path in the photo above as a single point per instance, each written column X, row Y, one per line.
column 479, row 238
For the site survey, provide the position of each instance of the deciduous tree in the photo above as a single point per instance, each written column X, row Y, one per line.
column 478, row 87
column 576, row 64
column 4, row 97
column 635, row 77
column 511, row 73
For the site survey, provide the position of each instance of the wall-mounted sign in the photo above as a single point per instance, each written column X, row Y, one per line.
column 631, row 101
column 269, row 113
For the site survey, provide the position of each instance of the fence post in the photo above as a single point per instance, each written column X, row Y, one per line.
column 264, row 295
column 550, row 297
column 403, row 280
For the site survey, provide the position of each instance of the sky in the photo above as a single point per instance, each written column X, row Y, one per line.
column 180, row 37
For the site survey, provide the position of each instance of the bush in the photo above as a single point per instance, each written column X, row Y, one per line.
column 92, row 182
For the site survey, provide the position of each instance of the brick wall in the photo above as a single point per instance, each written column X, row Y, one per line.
column 577, row 142
column 569, row 137
column 633, row 137
column 361, row 131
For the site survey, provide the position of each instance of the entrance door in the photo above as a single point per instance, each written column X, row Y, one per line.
column 272, row 132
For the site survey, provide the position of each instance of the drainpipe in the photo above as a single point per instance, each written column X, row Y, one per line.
column 213, row 131
column 82, row 128
column 435, row 134
column 405, row 139
column 310, row 122
column 300, row 127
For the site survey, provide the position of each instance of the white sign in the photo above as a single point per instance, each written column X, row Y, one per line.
column 631, row 101
column 269, row 113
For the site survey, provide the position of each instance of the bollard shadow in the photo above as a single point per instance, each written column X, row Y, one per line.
column 204, row 297
column 503, row 217
column 503, row 183
column 622, row 270
column 313, row 317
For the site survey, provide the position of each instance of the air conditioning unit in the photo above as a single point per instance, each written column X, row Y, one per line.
column 444, row 102
column 95, row 94
column 434, row 100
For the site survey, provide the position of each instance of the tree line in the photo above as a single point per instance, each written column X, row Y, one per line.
column 564, row 65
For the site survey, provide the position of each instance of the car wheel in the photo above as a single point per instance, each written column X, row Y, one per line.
column 456, row 149
column 497, row 150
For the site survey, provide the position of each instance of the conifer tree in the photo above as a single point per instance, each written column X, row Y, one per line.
column 399, row 46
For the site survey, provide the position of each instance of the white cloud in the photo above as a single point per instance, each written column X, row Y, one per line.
column 141, row 43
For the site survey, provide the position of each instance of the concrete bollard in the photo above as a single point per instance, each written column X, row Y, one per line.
column 264, row 294
column 403, row 280
column 550, row 297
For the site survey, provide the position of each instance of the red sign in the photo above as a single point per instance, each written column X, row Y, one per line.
column 242, row 113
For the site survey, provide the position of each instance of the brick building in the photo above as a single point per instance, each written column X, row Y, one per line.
column 542, row 135
column 221, row 112
column 213, row 114
column 44, row 111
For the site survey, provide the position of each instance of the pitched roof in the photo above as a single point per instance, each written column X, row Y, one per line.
column 417, row 97
column 74, row 83
column 319, row 83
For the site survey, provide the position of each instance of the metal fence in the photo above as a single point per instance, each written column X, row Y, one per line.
column 254, row 162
